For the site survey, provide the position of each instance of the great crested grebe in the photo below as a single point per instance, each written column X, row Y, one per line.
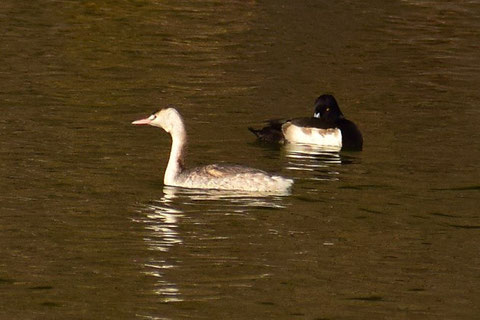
column 328, row 127
column 213, row 176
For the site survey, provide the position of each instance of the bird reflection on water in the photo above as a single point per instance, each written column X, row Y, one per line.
column 228, row 198
column 168, row 219
column 162, row 221
column 319, row 162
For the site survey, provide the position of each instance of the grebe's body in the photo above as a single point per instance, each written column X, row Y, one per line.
column 327, row 128
column 214, row 176
column 230, row 177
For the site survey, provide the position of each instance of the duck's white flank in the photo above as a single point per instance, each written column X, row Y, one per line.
column 323, row 137
column 214, row 176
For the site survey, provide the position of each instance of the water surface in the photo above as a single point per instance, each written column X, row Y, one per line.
column 89, row 231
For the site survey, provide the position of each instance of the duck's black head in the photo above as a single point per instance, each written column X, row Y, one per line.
column 326, row 108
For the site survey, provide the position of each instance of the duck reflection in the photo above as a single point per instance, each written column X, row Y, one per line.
column 321, row 161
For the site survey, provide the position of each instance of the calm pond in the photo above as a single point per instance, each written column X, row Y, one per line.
column 89, row 231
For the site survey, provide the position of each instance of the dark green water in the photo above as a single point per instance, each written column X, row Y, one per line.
column 88, row 231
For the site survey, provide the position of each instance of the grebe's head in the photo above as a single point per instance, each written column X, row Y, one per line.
column 326, row 108
column 168, row 119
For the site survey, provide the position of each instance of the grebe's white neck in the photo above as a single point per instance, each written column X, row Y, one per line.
column 176, row 161
column 171, row 121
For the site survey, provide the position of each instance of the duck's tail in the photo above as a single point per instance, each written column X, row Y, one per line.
column 268, row 134
column 271, row 133
column 256, row 132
